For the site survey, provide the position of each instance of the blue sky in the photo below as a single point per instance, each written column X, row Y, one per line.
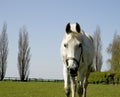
column 45, row 21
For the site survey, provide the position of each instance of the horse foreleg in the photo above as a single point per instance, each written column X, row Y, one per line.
column 85, row 87
column 80, row 84
column 80, row 89
column 86, row 84
column 66, row 82
column 73, row 86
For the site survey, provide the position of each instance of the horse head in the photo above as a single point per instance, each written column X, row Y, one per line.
column 72, row 48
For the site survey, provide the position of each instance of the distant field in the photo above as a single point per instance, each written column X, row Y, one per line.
column 52, row 89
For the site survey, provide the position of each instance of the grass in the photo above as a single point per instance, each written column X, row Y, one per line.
column 103, row 91
column 31, row 89
column 52, row 89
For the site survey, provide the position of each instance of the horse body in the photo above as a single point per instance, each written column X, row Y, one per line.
column 77, row 52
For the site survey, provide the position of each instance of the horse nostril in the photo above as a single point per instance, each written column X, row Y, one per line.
column 72, row 71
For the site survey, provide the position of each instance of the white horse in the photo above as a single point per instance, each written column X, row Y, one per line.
column 77, row 52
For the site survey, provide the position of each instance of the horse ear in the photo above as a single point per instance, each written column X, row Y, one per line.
column 78, row 29
column 67, row 28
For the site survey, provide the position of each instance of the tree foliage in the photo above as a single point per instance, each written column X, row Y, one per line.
column 23, row 55
column 3, row 51
column 98, row 48
column 114, row 51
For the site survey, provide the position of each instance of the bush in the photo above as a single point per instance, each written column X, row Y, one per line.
column 104, row 78
column 117, row 78
column 96, row 78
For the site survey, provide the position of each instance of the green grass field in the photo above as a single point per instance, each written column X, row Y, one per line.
column 52, row 89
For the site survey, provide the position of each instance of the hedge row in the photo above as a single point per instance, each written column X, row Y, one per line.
column 104, row 78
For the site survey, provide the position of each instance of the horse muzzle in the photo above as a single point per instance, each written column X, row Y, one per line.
column 73, row 68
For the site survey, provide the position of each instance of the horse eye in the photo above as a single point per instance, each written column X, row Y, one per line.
column 65, row 45
column 80, row 45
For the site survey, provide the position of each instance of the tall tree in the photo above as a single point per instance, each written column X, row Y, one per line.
column 114, row 51
column 23, row 55
column 3, row 51
column 98, row 49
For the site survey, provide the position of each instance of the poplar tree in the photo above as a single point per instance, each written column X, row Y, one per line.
column 98, row 49
column 23, row 55
column 3, row 51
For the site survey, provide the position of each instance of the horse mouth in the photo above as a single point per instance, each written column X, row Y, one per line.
column 73, row 73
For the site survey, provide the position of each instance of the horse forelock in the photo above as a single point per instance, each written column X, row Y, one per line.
column 73, row 36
